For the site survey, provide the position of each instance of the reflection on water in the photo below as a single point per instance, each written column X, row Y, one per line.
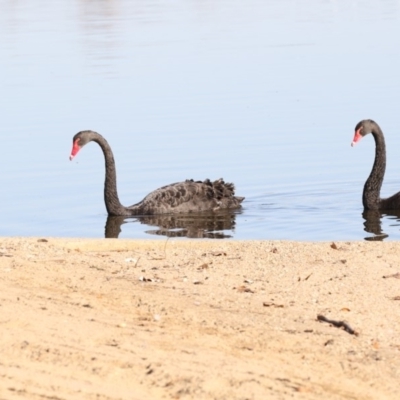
column 194, row 226
column 99, row 23
column 373, row 223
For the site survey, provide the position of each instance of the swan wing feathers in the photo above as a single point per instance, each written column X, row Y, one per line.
column 391, row 203
column 191, row 196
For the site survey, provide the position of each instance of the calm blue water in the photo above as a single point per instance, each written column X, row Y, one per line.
column 262, row 93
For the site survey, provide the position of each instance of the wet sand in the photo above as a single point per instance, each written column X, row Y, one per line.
column 127, row 319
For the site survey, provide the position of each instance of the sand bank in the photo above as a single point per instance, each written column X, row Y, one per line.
column 126, row 319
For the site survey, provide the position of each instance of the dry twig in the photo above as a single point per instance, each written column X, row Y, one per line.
column 338, row 324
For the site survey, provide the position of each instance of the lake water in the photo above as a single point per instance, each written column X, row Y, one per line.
column 265, row 94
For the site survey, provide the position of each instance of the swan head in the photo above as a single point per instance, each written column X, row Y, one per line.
column 79, row 140
column 362, row 128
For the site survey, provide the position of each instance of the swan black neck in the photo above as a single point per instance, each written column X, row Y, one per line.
column 113, row 205
column 372, row 187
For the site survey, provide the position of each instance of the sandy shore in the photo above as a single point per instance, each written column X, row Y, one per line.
column 125, row 319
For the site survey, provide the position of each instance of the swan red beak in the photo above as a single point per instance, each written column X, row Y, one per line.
column 75, row 149
column 357, row 137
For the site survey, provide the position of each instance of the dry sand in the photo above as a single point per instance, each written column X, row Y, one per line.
column 127, row 319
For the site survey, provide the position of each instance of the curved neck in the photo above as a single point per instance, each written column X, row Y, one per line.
column 372, row 187
column 113, row 205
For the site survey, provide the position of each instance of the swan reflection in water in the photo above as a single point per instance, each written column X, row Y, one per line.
column 373, row 223
column 196, row 226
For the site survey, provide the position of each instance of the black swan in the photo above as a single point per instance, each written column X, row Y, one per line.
column 371, row 194
column 182, row 197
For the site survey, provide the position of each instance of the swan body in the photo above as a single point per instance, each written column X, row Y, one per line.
column 372, row 188
column 182, row 197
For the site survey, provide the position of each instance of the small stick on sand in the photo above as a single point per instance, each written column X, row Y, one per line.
column 338, row 324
